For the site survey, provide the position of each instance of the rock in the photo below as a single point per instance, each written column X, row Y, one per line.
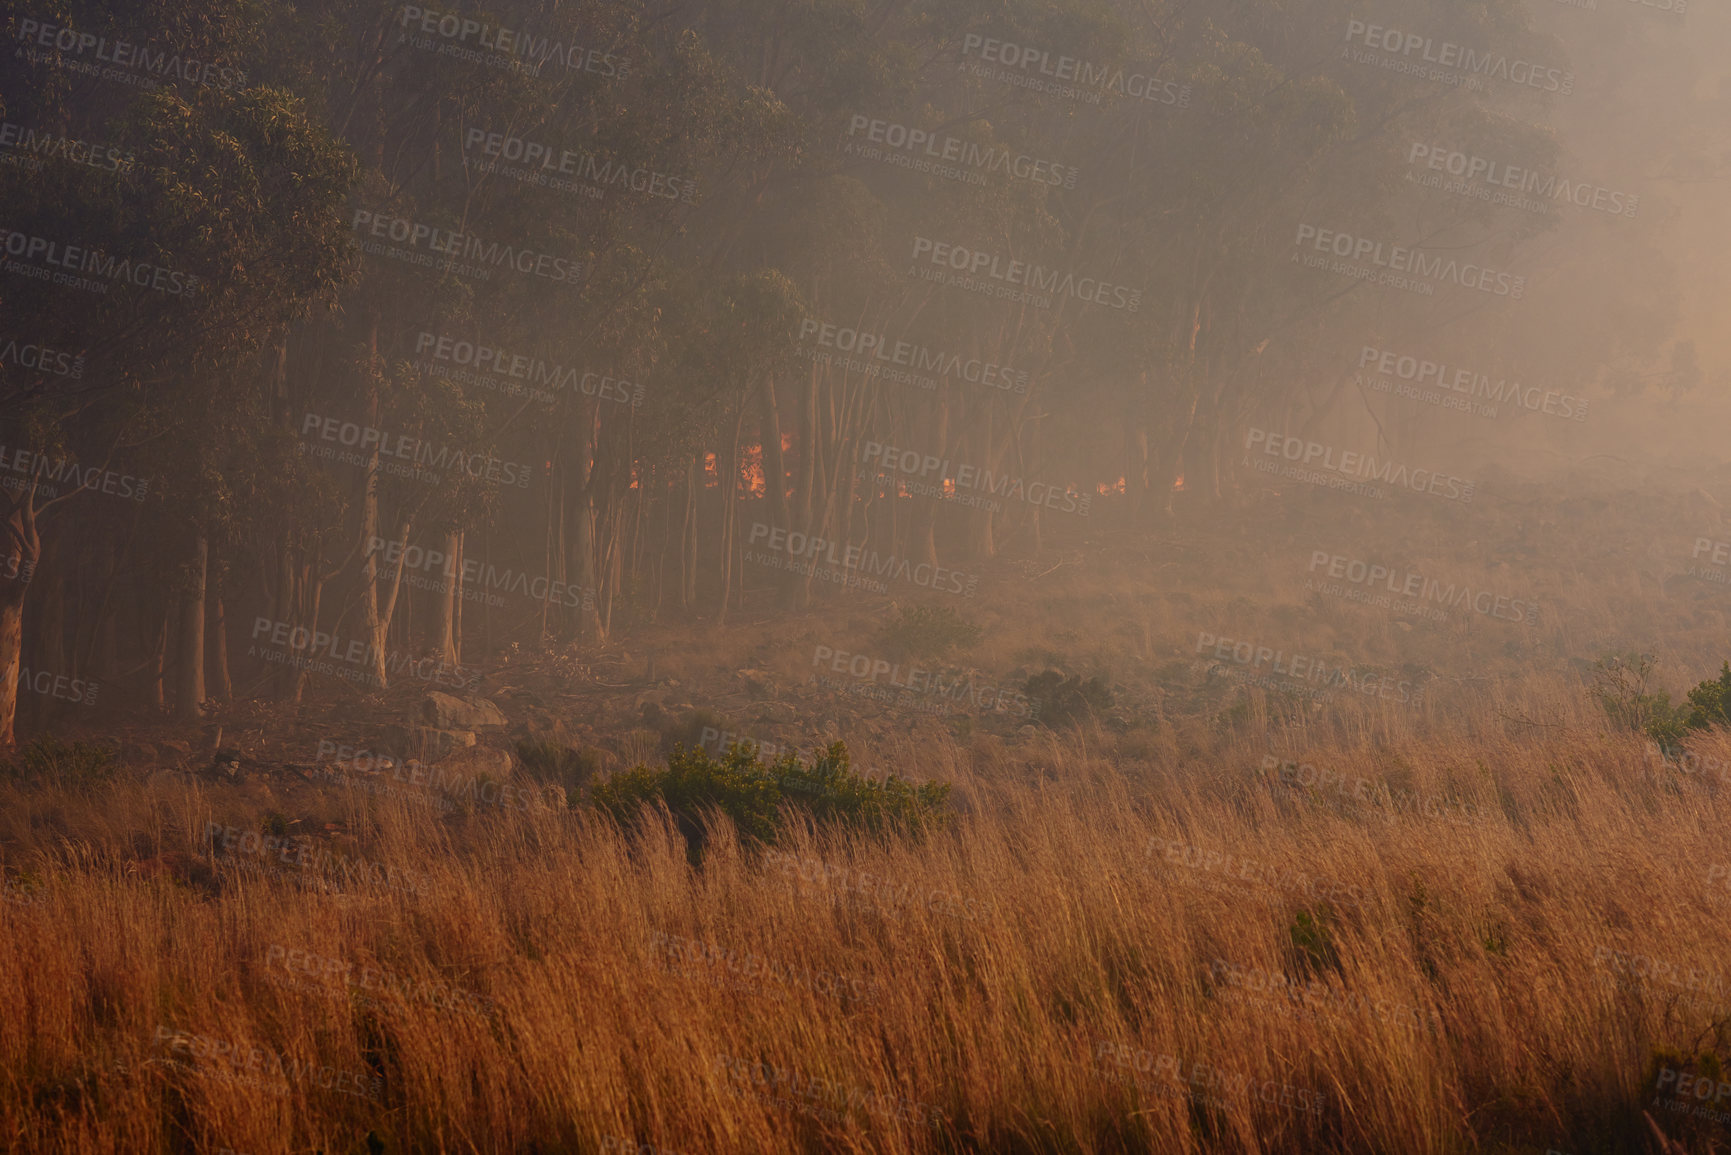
column 758, row 683
column 447, row 712
column 474, row 761
column 777, row 712
column 426, row 743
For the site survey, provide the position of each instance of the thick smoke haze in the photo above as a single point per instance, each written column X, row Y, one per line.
column 1041, row 576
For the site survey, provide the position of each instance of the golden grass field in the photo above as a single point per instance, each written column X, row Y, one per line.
column 1221, row 920
column 1502, row 948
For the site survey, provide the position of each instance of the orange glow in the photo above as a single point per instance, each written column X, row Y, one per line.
column 1179, row 484
column 949, row 486
column 1111, row 486
column 751, row 471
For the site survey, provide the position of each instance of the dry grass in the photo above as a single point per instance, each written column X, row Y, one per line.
column 1049, row 979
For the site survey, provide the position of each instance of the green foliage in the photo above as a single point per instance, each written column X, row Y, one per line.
column 275, row 823
column 71, row 764
column 1710, row 701
column 1313, row 942
column 752, row 794
column 1067, row 701
column 1495, row 936
column 693, row 783
column 833, row 792
column 1620, row 681
column 1621, row 684
column 928, row 632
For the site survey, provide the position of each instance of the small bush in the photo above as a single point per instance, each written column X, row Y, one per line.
column 1620, row 681
column 1621, row 684
column 928, row 632
column 752, row 794
column 831, row 790
column 75, row 764
column 1067, row 701
column 1710, row 701
column 1313, row 942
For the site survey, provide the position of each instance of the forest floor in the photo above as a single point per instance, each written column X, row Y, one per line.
column 1439, row 905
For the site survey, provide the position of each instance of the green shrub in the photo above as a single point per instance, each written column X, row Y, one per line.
column 831, row 790
column 927, row 632
column 752, row 794
column 1710, row 701
column 1620, row 681
column 1067, row 701
column 1312, row 942
column 47, row 759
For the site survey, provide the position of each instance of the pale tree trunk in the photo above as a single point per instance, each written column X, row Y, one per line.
column 729, row 515
column 580, row 509
column 448, row 603
column 23, row 549
column 688, row 538
column 224, row 691
column 457, row 610
column 158, row 664
column 189, row 687
column 48, row 635
column 375, row 622
column 980, row 542
column 775, row 482
column 924, row 546
column 11, row 649
column 287, row 678
column 588, row 613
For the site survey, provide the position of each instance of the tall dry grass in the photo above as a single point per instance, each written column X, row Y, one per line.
column 1168, row 953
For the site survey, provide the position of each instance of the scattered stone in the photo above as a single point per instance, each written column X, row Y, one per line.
column 777, row 712
column 758, row 682
column 448, row 712
column 474, row 761
column 427, row 743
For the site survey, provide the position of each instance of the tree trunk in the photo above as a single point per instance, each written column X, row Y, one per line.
column 448, row 602
column 159, row 660
column 287, row 679
column 219, row 650
column 775, row 482
column 688, row 538
column 23, row 549
column 729, row 496
column 457, row 610
column 189, row 685
column 11, row 648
